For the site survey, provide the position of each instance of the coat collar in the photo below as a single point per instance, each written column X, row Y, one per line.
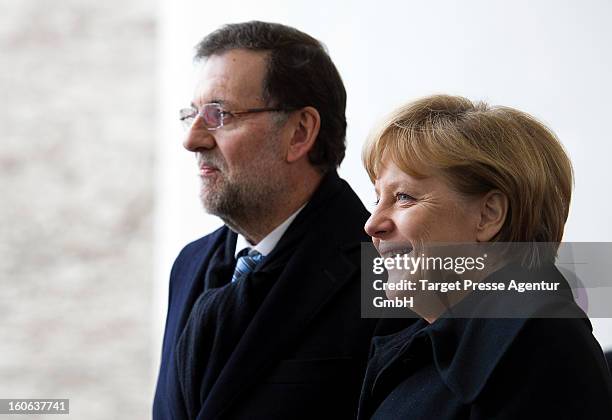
column 197, row 260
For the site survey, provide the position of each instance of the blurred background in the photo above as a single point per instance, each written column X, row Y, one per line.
column 98, row 196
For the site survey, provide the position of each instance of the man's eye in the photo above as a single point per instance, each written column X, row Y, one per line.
column 403, row 197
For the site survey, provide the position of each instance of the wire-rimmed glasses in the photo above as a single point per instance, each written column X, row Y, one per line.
column 213, row 115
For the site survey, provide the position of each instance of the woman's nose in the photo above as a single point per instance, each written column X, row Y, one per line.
column 379, row 226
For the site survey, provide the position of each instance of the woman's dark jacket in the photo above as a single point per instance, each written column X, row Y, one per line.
column 545, row 366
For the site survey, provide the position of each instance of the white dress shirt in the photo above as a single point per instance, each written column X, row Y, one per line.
column 267, row 244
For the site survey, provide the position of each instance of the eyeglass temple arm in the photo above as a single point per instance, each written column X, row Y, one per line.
column 253, row 110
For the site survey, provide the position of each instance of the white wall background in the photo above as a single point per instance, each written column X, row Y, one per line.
column 550, row 58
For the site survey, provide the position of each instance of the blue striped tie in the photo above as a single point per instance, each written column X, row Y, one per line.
column 246, row 264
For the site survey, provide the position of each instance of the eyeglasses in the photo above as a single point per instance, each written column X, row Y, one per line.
column 213, row 115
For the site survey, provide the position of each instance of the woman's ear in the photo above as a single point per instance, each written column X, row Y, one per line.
column 304, row 134
column 493, row 212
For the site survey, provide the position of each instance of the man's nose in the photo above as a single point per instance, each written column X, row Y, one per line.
column 379, row 226
column 199, row 138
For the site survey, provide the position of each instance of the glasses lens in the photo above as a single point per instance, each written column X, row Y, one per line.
column 211, row 115
column 187, row 116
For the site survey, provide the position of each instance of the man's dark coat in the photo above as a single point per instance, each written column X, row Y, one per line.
column 286, row 343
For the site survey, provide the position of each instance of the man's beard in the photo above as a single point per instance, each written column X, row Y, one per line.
column 243, row 197
column 248, row 193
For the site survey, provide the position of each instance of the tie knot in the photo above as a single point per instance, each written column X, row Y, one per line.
column 246, row 264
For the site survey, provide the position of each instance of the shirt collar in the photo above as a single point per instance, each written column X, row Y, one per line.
column 267, row 244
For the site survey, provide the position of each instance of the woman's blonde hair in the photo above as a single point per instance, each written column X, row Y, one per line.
column 477, row 148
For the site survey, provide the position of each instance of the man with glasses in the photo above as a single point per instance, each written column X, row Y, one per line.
column 264, row 313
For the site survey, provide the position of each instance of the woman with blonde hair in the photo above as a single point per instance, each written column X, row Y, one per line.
column 447, row 170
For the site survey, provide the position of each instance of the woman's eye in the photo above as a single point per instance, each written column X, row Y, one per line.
column 403, row 197
column 376, row 201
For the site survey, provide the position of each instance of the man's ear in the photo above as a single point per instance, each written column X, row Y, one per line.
column 305, row 132
column 493, row 212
